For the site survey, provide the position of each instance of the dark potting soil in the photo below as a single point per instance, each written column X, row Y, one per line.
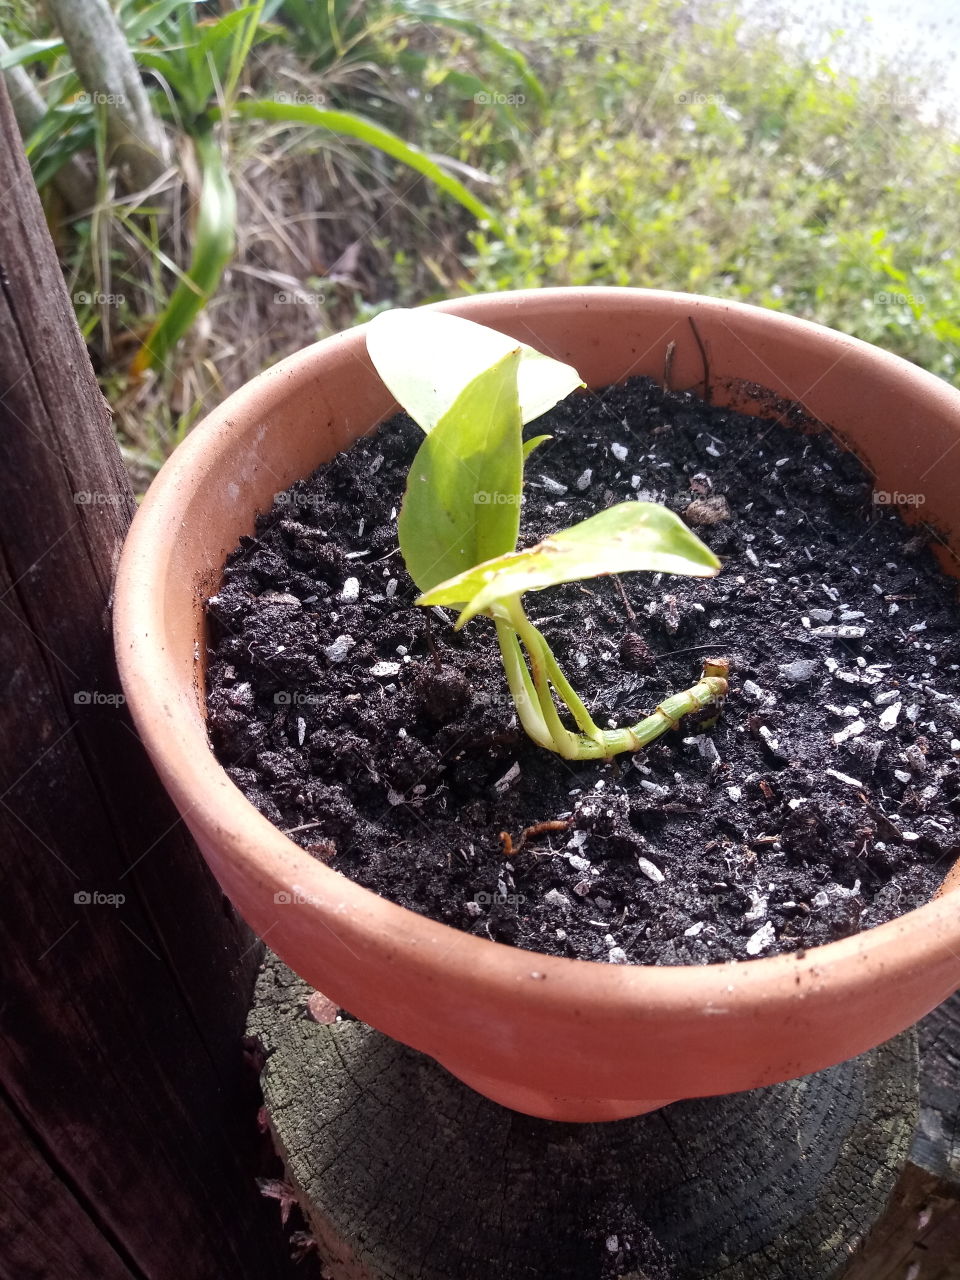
column 825, row 800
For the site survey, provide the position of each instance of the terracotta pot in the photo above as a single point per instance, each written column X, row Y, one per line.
column 566, row 1039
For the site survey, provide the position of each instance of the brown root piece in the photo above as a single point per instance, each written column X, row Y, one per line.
column 530, row 833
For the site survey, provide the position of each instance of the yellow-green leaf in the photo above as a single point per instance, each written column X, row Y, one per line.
column 632, row 535
column 427, row 357
column 462, row 502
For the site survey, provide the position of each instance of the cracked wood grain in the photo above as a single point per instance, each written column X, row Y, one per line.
column 405, row 1174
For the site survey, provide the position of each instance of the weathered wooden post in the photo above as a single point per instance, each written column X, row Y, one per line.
column 406, row 1174
column 126, row 976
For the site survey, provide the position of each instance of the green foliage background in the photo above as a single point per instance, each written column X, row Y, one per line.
column 699, row 154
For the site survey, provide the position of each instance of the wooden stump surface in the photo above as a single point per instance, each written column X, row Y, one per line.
column 406, row 1174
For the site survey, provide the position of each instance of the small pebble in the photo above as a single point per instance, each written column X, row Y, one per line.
column 351, row 590
column 890, row 716
column 799, row 671
column 280, row 597
column 851, row 730
column 758, row 906
column 649, row 869
column 385, row 669
column 339, row 648
column 839, row 632
column 763, row 938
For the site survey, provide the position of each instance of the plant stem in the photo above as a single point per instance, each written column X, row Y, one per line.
column 521, row 688
column 532, row 692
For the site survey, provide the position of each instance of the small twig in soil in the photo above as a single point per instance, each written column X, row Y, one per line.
column 530, row 833
column 623, row 595
column 707, row 389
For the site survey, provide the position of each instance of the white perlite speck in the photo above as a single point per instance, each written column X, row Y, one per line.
column 650, row 870
column 339, row 648
column 617, row 955
column 351, row 590
column 553, row 486
column 385, row 669
column 844, row 778
column 758, row 906
column 843, row 632
column 851, row 730
column 890, row 716
column 583, row 480
column 619, row 451
column 763, row 938
column 391, row 588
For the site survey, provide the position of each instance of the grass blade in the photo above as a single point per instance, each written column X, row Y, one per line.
column 213, row 248
column 350, row 125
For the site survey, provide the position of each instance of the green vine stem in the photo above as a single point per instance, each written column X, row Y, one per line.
column 533, row 689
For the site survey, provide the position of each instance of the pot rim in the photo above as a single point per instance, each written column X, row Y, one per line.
column 171, row 726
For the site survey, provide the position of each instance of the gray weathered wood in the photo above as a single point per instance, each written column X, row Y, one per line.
column 918, row 1237
column 126, row 1117
column 405, row 1173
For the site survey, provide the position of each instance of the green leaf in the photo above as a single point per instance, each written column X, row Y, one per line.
column 426, row 357
column 349, row 125
column 32, row 51
column 213, row 245
column 632, row 535
column 436, row 15
column 462, row 503
column 138, row 24
column 534, row 443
